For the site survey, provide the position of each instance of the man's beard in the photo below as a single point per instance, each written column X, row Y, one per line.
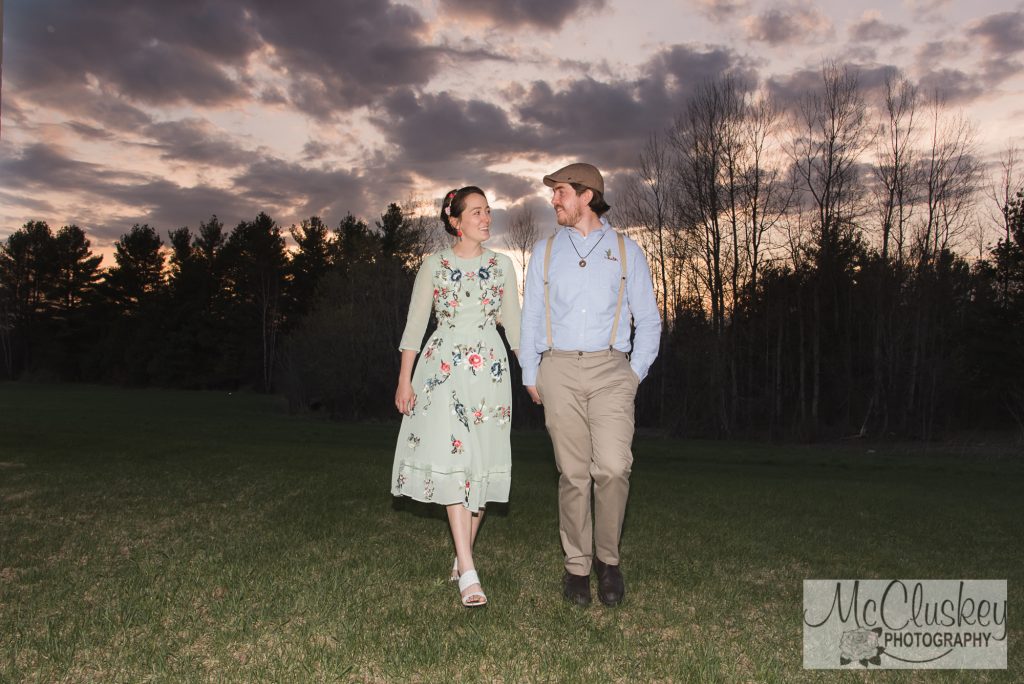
column 567, row 218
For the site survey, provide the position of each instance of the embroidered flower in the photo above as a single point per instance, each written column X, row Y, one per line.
column 467, row 491
column 455, row 276
column 484, row 273
column 475, row 361
column 503, row 414
column 428, row 489
column 454, row 303
column 496, row 370
column 480, row 413
column 493, row 261
column 459, row 411
column 445, row 263
column 414, row 441
column 437, row 293
column 456, row 445
column 446, row 367
column 400, row 482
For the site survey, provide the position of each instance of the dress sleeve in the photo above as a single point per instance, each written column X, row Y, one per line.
column 419, row 307
column 510, row 311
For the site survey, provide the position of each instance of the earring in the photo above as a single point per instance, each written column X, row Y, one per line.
column 460, row 234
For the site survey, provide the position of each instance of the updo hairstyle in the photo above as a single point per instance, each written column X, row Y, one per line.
column 453, row 205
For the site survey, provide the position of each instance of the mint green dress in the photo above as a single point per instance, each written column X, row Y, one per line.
column 454, row 447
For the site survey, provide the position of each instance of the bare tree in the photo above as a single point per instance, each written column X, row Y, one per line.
column 951, row 174
column 708, row 200
column 521, row 236
column 831, row 132
column 1006, row 187
column 646, row 201
column 896, row 171
column 422, row 215
column 766, row 198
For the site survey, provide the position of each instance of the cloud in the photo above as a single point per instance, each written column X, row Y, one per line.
column 998, row 69
column 41, row 167
column 165, row 53
column 340, row 55
column 607, row 121
column 951, row 85
column 541, row 14
column 283, row 186
column 286, row 191
column 314, row 149
column 871, row 28
column 939, row 52
column 333, row 55
column 721, row 10
column 1001, row 34
column 430, row 128
column 927, row 10
column 795, row 22
column 790, row 89
column 88, row 132
column 449, row 140
column 197, row 140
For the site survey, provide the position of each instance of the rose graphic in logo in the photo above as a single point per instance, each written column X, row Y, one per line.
column 861, row 645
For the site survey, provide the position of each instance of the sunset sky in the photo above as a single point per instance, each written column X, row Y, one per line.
column 124, row 111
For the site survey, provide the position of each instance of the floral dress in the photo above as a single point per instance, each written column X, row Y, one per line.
column 454, row 446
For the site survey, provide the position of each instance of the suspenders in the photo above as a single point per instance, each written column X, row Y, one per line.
column 547, row 288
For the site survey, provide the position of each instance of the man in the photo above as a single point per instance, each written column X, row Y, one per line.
column 581, row 288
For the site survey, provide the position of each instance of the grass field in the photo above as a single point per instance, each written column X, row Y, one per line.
column 193, row 537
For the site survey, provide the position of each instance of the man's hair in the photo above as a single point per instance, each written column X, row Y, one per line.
column 597, row 203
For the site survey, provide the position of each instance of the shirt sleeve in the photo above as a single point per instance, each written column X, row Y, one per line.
column 419, row 307
column 510, row 313
column 643, row 305
column 533, row 315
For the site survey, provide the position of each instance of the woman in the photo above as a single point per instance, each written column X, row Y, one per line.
column 453, row 448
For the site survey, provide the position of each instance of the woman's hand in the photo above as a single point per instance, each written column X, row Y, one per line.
column 405, row 398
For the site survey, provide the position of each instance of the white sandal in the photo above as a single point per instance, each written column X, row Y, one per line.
column 466, row 580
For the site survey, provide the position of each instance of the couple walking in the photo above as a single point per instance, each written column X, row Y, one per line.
column 572, row 339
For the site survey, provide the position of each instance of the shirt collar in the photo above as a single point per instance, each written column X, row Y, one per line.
column 598, row 231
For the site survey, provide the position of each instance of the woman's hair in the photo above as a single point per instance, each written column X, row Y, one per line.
column 597, row 203
column 453, row 205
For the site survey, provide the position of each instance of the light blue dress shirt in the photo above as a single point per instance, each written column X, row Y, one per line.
column 583, row 300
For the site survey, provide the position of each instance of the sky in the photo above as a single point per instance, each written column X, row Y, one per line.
column 116, row 112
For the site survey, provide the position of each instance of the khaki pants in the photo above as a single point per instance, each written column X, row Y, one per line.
column 588, row 409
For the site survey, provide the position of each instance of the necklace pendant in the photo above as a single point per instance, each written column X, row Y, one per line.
column 583, row 263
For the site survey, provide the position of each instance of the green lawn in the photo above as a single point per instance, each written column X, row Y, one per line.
column 191, row 537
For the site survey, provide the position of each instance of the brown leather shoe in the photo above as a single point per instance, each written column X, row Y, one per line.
column 611, row 588
column 576, row 588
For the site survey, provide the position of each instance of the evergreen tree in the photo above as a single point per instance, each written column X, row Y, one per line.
column 255, row 268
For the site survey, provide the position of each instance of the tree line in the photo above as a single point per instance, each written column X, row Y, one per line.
column 822, row 272
column 216, row 309
column 811, row 269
